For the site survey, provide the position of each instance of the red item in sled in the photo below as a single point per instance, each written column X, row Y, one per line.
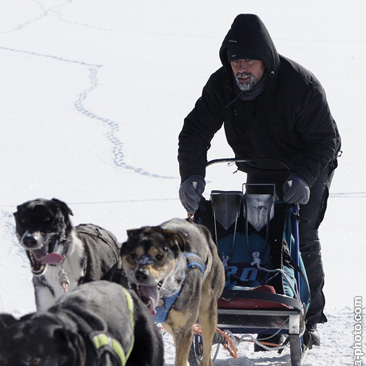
column 238, row 303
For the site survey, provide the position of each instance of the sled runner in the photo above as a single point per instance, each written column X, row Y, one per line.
column 266, row 293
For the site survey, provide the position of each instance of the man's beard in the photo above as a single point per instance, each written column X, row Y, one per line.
column 248, row 85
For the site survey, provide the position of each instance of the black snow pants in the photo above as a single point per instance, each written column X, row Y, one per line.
column 311, row 216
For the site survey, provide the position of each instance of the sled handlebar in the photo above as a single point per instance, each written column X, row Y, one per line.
column 240, row 160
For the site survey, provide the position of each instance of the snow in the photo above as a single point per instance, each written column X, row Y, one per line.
column 93, row 98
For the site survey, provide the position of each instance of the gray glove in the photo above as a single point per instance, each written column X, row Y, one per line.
column 296, row 190
column 190, row 193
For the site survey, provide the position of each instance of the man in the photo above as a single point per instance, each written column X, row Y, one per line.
column 271, row 108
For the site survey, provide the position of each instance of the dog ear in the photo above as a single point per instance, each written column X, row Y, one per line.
column 6, row 320
column 133, row 232
column 130, row 234
column 63, row 206
column 19, row 208
column 175, row 237
column 71, row 346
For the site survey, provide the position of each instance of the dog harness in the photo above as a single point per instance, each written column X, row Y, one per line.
column 193, row 261
column 104, row 343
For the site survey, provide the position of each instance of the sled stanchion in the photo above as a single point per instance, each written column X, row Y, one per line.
column 297, row 243
column 295, row 347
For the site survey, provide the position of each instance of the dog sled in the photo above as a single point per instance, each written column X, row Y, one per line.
column 266, row 293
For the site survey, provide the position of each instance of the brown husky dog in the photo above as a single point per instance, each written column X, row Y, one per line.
column 175, row 269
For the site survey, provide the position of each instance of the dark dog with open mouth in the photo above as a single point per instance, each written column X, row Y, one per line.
column 175, row 269
column 98, row 323
column 62, row 256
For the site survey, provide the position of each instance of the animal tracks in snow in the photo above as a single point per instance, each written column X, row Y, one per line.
column 118, row 153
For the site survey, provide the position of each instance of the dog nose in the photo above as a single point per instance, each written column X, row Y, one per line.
column 141, row 276
column 30, row 241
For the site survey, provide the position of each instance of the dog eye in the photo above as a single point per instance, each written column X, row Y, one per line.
column 46, row 219
column 159, row 257
column 133, row 255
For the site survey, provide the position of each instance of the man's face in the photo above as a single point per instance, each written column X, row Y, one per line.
column 247, row 72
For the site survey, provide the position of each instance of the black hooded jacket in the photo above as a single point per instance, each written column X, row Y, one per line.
column 289, row 121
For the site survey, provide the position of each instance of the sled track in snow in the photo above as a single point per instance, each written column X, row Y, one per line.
column 43, row 13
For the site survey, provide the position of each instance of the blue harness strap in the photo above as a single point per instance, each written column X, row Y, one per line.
column 193, row 261
column 162, row 311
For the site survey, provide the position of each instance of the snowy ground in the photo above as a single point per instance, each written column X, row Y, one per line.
column 93, row 95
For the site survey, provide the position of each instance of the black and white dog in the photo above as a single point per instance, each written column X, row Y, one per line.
column 98, row 323
column 62, row 256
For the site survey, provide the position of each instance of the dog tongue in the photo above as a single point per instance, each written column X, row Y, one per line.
column 39, row 254
column 50, row 258
column 152, row 293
